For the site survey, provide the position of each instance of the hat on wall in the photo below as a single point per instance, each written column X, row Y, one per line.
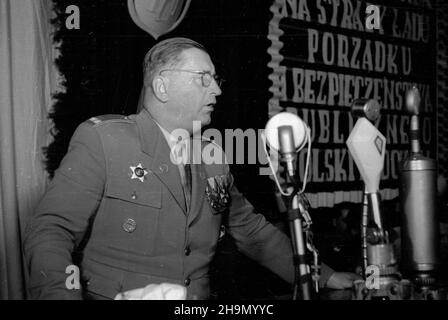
column 158, row 17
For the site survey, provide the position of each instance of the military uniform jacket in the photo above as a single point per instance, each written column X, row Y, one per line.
column 134, row 226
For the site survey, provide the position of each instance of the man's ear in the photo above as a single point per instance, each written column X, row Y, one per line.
column 160, row 88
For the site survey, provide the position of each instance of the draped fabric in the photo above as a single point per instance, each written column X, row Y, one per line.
column 27, row 79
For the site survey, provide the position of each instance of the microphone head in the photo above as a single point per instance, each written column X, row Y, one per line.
column 368, row 108
column 413, row 101
column 286, row 139
column 367, row 147
column 285, row 119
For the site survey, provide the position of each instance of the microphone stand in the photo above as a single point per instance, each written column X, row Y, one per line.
column 364, row 222
column 302, row 275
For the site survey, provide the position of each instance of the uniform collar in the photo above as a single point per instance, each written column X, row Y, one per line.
column 149, row 133
column 154, row 144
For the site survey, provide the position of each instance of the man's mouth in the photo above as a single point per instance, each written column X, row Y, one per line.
column 210, row 106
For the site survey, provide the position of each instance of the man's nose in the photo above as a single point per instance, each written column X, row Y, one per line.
column 215, row 88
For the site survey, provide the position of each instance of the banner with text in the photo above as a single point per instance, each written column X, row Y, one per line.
column 325, row 55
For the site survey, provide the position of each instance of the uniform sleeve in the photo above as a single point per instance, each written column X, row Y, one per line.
column 261, row 241
column 62, row 217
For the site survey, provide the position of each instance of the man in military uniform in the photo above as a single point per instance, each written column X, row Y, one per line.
column 139, row 217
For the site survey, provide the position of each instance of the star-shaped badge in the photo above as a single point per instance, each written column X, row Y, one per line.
column 138, row 172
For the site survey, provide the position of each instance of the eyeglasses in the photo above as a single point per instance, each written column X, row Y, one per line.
column 206, row 76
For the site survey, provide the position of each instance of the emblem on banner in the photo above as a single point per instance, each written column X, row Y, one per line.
column 158, row 17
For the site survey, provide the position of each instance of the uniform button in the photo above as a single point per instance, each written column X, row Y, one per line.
column 187, row 281
column 187, row 251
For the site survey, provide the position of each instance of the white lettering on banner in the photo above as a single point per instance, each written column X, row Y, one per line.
column 413, row 27
column 333, row 49
column 347, row 50
column 323, row 87
column 347, row 14
column 296, row 9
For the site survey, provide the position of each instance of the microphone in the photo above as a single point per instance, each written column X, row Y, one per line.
column 286, row 133
column 413, row 107
column 367, row 147
column 418, row 190
column 366, row 108
column 287, row 148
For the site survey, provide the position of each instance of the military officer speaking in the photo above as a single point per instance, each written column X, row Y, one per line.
column 139, row 219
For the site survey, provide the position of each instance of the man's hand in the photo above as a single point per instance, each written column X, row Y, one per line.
column 163, row 291
column 342, row 280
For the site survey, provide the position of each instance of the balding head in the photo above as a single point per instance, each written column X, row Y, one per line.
column 165, row 54
column 180, row 84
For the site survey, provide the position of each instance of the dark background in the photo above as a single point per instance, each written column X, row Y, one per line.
column 101, row 64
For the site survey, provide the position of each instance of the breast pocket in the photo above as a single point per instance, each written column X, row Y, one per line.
column 130, row 216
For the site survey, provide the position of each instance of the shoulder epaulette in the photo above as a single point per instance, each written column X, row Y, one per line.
column 107, row 118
